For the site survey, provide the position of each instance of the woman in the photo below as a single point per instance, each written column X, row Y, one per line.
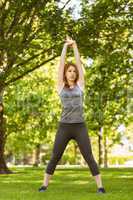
column 70, row 88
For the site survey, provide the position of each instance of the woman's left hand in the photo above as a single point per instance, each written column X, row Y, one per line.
column 70, row 41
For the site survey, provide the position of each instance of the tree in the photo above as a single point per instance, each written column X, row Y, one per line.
column 106, row 27
column 32, row 113
column 27, row 35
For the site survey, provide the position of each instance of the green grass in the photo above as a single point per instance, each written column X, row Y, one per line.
column 66, row 184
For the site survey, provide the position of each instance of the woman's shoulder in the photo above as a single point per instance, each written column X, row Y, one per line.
column 60, row 88
column 80, row 86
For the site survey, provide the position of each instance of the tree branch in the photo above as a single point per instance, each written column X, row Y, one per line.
column 2, row 5
column 32, row 57
column 65, row 4
column 30, row 70
column 14, row 22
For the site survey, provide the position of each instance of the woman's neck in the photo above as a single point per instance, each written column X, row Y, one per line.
column 71, row 84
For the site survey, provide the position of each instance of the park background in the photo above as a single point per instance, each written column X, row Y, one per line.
column 32, row 35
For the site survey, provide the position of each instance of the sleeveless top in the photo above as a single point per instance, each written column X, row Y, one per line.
column 72, row 105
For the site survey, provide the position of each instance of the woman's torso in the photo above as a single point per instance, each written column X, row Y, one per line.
column 72, row 105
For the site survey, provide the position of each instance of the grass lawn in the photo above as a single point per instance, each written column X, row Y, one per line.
column 66, row 184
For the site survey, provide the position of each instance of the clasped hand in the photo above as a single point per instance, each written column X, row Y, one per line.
column 70, row 42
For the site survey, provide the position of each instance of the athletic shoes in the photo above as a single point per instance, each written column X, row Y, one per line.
column 42, row 188
column 101, row 190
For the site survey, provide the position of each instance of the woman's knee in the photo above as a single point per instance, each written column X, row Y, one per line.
column 90, row 159
column 55, row 158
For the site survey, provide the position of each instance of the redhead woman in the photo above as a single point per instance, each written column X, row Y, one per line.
column 72, row 125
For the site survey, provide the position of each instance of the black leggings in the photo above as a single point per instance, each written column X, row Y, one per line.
column 65, row 133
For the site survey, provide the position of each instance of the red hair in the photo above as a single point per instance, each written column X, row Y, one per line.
column 67, row 65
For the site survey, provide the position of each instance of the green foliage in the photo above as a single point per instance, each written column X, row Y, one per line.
column 105, row 36
column 29, row 36
column 32, row 113
column 119, row 160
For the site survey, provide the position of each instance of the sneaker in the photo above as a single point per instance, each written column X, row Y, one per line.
column 42, row 188
column 101, row 190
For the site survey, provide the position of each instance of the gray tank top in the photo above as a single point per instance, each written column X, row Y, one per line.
column 72, row 105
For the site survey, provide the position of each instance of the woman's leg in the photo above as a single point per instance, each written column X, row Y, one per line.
column 98, row 181
column 46, row 180
column 82, row 138
column 61, row 139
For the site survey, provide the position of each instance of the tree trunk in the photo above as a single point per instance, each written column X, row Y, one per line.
column 37, row 155
column 100, row 151
column 105, row 152
column 75, row 152
column 3, row 167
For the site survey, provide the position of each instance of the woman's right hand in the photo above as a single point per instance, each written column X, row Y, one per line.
column 69, row 41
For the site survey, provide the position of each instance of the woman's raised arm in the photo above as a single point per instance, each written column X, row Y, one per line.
column 61, row 67
column 60, row 83
column 79, row 65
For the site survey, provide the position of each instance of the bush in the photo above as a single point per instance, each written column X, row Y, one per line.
column 119, row 160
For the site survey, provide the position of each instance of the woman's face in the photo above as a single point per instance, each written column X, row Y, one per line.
column 71, row 73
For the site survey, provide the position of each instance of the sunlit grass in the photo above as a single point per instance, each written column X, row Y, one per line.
column 73, row 184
